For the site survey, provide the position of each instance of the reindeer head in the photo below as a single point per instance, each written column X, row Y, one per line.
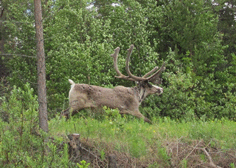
column 144, row 87
column 149, row 88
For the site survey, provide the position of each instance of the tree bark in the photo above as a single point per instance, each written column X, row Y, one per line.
column 41, row 69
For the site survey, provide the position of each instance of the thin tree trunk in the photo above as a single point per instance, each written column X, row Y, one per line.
column 41, row 69
column 3, row 69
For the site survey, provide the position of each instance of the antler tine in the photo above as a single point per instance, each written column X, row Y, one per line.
column 150, row 72
column 135, row 78
column 157, row 74
column 115, row 57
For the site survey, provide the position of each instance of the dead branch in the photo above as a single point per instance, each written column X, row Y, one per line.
column 209, row 157
column 193, row 150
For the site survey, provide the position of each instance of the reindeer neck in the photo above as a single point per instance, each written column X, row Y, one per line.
column 140, row 93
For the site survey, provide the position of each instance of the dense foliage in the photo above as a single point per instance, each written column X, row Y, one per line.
column 196, row 39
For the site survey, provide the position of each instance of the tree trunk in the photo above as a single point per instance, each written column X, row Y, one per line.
column 41, row 69
column 3, row 69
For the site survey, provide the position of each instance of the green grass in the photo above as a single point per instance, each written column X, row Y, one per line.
column 137, row 138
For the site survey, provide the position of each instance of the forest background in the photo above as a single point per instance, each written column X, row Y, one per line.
column 195, row 38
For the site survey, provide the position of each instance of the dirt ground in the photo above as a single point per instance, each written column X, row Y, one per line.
column 182, row 154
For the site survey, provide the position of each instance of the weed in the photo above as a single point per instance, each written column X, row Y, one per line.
column 102, row 154
column 83, row 164
column 184, row 163
column 163, row 154
column 232, row 165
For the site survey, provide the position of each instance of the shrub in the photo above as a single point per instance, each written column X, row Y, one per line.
column 22, row 143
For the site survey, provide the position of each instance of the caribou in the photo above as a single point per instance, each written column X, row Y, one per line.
column 126, row 99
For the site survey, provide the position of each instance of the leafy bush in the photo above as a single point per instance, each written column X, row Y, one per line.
column 22, row 143
column 188, row 97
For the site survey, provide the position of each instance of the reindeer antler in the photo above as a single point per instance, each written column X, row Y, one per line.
column 154, row 77
column 115, row 57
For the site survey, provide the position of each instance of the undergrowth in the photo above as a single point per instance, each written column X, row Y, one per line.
column 132, row 131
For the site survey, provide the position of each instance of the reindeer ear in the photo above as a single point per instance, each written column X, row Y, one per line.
column 158, row 81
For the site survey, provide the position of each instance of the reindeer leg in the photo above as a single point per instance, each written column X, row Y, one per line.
column 68, row 112
column 147, row 120
column 75, row 105
column 137, row 114
column 65, row 112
